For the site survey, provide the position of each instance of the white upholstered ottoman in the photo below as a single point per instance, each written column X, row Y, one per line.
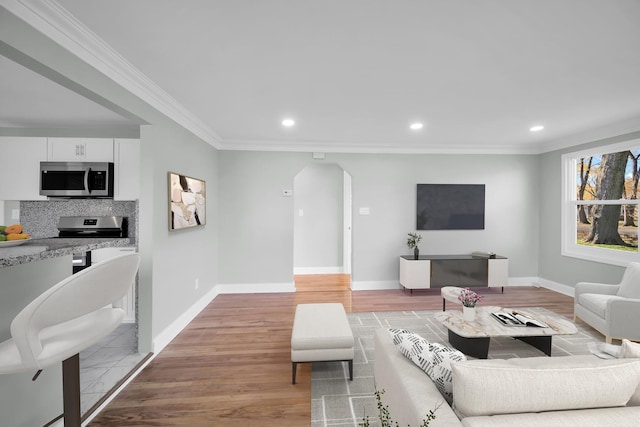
column 450, row 293
column 321, row 333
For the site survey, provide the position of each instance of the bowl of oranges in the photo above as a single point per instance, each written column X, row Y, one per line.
column 12, row 235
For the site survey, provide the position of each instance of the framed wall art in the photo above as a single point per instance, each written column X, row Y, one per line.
column 187, row 202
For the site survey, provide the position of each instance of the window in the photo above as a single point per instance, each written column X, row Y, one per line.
column 600, row 205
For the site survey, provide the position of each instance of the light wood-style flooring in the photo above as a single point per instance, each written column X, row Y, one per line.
column 231, row 366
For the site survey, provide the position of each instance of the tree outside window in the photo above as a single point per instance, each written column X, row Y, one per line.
column 600, row 212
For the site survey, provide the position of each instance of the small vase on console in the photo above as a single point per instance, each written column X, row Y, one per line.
column 412, row 243
column 468, row 313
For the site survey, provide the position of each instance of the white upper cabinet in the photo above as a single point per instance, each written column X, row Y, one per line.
column 20, row 170
column 80, row 150
column 21, row 157
column 127, row 169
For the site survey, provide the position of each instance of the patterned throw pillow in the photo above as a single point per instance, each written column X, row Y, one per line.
column 396, row 331
column 433, row 358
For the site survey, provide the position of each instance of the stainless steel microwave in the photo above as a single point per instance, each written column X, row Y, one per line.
column 76, row 179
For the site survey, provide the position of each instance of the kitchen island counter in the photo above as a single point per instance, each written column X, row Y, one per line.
column 39, row 249
column 26, row 271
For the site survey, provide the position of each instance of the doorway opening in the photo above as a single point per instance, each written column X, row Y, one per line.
column 322, row 228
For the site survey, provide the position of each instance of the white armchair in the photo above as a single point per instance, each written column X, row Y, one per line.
column 611, row 309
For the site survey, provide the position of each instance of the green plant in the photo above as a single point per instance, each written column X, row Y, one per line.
column 413, row 240
column 385, row 416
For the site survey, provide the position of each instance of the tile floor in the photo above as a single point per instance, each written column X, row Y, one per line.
column 106, row 363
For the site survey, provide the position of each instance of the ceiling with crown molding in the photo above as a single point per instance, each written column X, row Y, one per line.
column 355, row 75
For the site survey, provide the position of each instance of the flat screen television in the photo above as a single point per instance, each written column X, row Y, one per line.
column 450, row 207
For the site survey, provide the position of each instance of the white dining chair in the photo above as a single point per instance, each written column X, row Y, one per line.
column 69, row 317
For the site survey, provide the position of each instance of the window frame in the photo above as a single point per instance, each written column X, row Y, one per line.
column 570, row 202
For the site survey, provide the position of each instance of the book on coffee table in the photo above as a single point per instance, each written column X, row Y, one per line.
column 517, row 319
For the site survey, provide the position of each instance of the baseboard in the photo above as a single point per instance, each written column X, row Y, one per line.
column 171, row 331
column 544, row 283
column 524, row 281
column 557, row 287
column 256, row 288
column 319, row 270
column 374, row 285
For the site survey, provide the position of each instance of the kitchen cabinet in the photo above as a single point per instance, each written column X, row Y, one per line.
column 20, row 169
column 80, row 149
column 127, row 169
column 129, row 302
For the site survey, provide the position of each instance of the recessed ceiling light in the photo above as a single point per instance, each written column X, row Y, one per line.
column 416, row 126
column 536, row 128
column 288, row 122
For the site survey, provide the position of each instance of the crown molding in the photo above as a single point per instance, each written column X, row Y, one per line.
column 56, row 23
column 367, row 147
column 611, row 130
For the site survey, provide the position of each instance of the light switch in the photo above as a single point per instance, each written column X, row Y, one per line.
column 15, row 213
column 364, row 211
column 300, row 212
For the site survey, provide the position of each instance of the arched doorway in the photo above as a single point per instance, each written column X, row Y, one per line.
column 322, row 228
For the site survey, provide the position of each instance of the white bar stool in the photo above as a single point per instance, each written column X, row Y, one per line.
column 72, row 315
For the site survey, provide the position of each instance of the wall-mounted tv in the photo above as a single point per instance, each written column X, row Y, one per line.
column 450, row 207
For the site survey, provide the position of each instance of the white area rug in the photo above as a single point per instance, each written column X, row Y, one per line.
column 336, row 401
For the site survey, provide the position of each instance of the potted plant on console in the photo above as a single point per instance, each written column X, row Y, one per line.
column 469, row 300
column 412, row 242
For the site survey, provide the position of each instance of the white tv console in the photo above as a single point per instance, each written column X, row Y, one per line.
column 437, row 271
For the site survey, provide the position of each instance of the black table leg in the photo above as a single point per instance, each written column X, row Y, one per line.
column 542, row 343
column 474, row 347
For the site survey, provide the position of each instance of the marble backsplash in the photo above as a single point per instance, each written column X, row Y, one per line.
column 40, row 218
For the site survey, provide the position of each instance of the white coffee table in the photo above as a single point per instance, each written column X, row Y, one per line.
column 472, row 337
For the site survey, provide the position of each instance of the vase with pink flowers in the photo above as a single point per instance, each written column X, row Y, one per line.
column 469, row 300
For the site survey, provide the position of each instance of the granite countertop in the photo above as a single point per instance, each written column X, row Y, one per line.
column 38, row 249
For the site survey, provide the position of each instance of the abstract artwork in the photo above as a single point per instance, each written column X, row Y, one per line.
column 187, row 202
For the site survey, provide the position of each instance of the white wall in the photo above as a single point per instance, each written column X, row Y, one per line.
column 256, row 222
column 553, row 266
column 386, row 184
column 174, row 260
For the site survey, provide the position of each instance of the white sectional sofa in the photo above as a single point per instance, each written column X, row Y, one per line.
column 564, row 391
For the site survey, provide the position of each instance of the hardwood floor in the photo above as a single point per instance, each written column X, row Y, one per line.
column 231, row 366
column 322, row 282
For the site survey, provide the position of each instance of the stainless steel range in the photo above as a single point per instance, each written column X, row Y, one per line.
column 90, row 227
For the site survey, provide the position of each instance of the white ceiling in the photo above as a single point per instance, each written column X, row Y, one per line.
column 354, row 74
column 32, row 101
